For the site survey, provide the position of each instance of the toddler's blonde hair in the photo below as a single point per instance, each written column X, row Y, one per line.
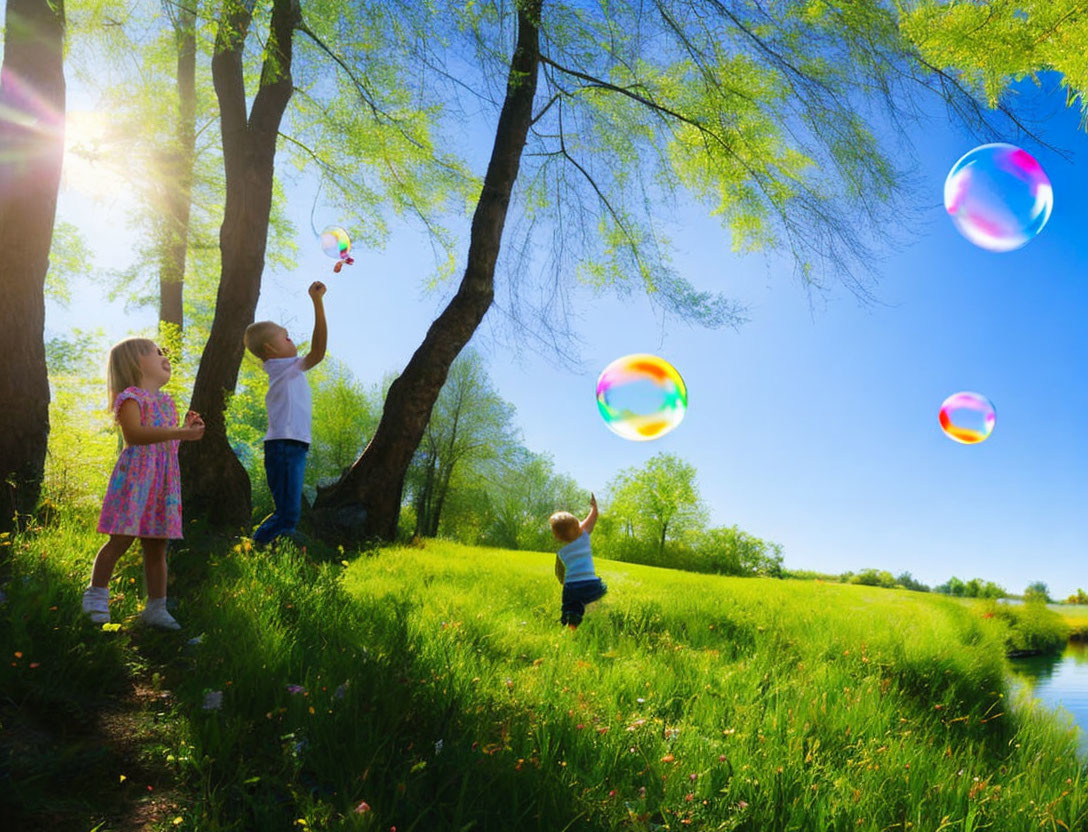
column 258, row 335
column 565, row 526
column 123, row 366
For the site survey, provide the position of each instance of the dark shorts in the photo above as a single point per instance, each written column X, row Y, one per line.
column 575, row 597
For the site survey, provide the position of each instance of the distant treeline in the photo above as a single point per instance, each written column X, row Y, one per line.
column 1036, row 591
column 471, row 479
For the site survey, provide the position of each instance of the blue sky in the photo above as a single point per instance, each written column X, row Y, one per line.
column 813, row 425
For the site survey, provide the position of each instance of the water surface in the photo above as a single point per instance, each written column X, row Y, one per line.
column 1059, row 682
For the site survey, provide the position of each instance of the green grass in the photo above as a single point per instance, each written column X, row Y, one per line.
column 1076, row 619
column 683, row 701
column 1031, row 626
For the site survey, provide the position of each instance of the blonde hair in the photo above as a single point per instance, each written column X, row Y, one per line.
column 565, row 526
column 123, row 366
column 258, row 335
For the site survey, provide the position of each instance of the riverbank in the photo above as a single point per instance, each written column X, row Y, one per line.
column 1059, row 682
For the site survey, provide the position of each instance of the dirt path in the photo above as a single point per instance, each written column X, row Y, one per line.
column 92, row 766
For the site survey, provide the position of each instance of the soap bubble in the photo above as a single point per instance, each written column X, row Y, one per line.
column 967, row 417
column 998, row 197
column 335, row 242
column 641, row 397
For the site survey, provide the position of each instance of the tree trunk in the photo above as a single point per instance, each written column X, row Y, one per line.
column 215, row 485
column 32, row 102
column 443, row 490
column 661, row 548
column 365, row 503
column 423, row 500
column 449, row 460
column 177, row 169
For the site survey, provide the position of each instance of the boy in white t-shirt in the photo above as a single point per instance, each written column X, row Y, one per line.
column 288, row 403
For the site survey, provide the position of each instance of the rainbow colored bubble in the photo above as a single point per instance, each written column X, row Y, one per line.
column 641, row 397
column 998, row 196
column 967, row 417
column 336, row 243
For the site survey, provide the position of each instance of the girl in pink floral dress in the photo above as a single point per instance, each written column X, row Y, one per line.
column 144, row 495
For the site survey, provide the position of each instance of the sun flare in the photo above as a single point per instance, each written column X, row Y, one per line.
column 94, row 156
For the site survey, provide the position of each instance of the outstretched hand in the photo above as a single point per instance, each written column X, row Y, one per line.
column 592, row 500
column 317, row 290
column 195, row 423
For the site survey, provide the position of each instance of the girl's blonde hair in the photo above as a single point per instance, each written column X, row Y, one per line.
column 123, row 367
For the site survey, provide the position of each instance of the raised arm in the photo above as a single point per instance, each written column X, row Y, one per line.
column 591, row 518
column 136, row 434
column 320, row 336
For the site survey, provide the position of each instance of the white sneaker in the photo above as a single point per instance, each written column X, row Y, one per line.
column 155, row 615
column 96, row 604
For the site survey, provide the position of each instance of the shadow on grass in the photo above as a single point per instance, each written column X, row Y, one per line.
column 72, row 724
column 314, row 723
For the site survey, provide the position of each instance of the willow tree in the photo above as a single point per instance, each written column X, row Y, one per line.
column 155, row 116
column 32, row 97
column 356, row 124
column 148, row 143
column 985, row 48
column 610, row 115
column 177, row 164
column 215, row 484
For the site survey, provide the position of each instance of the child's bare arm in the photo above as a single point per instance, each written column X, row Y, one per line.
column 560, row 570
column 136, row 434
column 320, row 336
column 591, row 518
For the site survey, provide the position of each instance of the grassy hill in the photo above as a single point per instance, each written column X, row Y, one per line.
column 432, row 688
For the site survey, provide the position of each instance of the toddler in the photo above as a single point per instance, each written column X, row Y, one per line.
column 288, row 403
column 574, row 564
column 143, row 498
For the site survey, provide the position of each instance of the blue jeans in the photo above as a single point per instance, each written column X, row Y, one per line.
column 575, row 597
column 285, row 468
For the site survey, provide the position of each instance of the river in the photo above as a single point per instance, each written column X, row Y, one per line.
column 1059, row 682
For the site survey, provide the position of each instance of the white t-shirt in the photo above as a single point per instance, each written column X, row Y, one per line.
column 577, row 560
column 288, row 400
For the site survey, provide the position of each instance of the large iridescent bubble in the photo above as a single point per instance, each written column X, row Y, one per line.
column 967, row 417
column 641, row 397
column 998, row 197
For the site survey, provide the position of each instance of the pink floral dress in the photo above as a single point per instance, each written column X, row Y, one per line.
column 144, row 495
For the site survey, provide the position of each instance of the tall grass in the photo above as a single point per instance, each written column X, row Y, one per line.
column 1076, row 618
column 432, row 688
column 1033, row 627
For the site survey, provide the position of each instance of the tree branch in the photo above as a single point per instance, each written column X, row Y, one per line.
column 276, row 87
column 605, row 85
column 228, row 80
column 547, row 107
column 947, row 79
column 375, row 110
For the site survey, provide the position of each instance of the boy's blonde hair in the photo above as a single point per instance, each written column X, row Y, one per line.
column 565, row 526
column 258, row 335
column 123, row 365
